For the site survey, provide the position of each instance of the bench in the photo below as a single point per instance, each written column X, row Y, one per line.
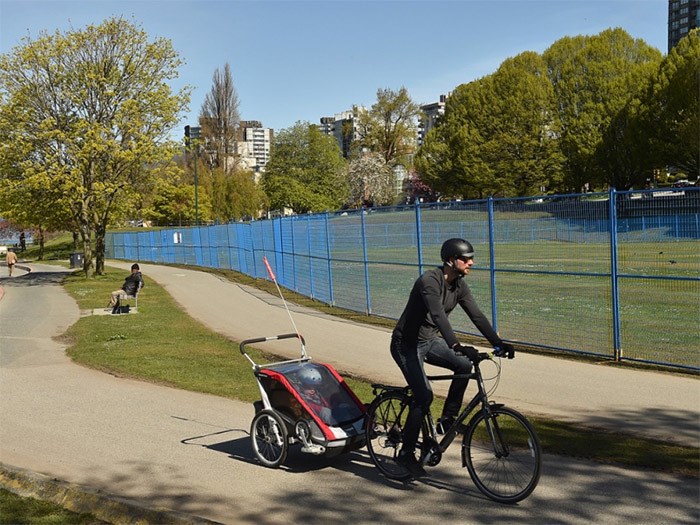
column 119, row 308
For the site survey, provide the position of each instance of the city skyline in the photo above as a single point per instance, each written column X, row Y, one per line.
column 302, row 60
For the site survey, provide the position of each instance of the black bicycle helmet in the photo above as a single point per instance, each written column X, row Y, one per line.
column 456, row 248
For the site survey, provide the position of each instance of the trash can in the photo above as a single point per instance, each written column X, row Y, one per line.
column 76, row 260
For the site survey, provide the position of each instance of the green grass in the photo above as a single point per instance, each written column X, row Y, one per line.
column 16, row 509
column 194, row 358
column 56, row 247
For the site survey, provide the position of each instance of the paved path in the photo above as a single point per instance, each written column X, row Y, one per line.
column 655, row 404
column 164, row 448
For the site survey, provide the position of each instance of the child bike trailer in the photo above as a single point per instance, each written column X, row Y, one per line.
column 302, row 403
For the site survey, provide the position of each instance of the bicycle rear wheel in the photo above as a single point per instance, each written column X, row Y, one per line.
column 503, row 454
column 386, row 417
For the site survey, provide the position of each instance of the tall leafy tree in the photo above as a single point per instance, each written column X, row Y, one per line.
column 451, row 160
column 389, row 127
column 87, row 113
column 498, row 135
column 521, row 127
column 220, row 119
column 305, row 171
column 594, row 78
column 234, row 195
column 670, row 110
column 173, row 203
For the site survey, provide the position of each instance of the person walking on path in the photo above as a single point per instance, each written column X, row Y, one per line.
column 132, row 285
column 11, row 260
column 423, row 334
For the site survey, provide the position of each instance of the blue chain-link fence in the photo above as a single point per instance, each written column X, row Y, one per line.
column 612, row 274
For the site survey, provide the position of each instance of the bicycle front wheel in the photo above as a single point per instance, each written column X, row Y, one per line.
column 386, row 417
column 503, row 454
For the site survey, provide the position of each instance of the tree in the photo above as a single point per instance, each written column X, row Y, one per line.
column 220, row 119
column 371, row 181
column 670, row 110
column 594, row 78
column 520, row 127
column 87, row 114
column 450, row 159
column 305, row 171
column 389, row 128
column 173, row 203
column 234, row 195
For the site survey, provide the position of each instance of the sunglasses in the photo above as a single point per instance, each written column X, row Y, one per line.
column 465, row 259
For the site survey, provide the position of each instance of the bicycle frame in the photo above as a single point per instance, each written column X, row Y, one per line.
column 479, row 398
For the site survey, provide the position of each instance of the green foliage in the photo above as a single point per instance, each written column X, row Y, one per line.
column 561, row 120
column 84, row 115
column 450, row 161
column 498, row 135
column 305, row 171
column 174, row 203
column 389, row 127
column 522, row 128
column 670, row 113
column 594, row 78
column 233, row 194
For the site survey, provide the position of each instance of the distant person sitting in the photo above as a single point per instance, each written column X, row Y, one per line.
column 132, row 284
column 11, row 260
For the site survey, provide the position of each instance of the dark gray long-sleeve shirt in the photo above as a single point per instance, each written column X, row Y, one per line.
column 429, row 304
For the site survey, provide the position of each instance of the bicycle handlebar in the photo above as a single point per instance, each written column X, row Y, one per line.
column 247, row 342
column 496, row 352
column 483, row 355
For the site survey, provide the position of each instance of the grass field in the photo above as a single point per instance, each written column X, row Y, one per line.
column 558, row 294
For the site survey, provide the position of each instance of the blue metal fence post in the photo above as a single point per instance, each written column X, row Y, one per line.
column 366, row 262
column 419, row 239
column 328, row 260
column 617, row 350
column 292, row 222
column 308, row 253
column 492, row 264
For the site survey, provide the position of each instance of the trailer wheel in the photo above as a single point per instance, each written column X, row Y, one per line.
column 268, row 435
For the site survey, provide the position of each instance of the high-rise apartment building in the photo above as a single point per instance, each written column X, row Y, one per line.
column 254, row 143
column 343, row 126
column 683, row 15
column 431, row 112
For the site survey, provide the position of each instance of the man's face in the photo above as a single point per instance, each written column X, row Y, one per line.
column 463, row 264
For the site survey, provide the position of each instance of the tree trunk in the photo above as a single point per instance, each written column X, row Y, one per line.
column 100, row 233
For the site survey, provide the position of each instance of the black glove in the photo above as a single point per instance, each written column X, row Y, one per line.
column 469, row 351
column 505, row 350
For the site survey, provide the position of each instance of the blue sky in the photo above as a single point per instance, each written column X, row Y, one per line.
column 294, row 60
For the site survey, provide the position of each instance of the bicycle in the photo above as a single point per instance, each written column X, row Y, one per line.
column 500, row 447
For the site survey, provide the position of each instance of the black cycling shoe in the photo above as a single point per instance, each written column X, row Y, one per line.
column 410, row 463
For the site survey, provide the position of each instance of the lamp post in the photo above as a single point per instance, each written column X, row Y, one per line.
column 191, row 135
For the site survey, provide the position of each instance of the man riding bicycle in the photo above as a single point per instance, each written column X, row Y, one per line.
column 423, row 334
